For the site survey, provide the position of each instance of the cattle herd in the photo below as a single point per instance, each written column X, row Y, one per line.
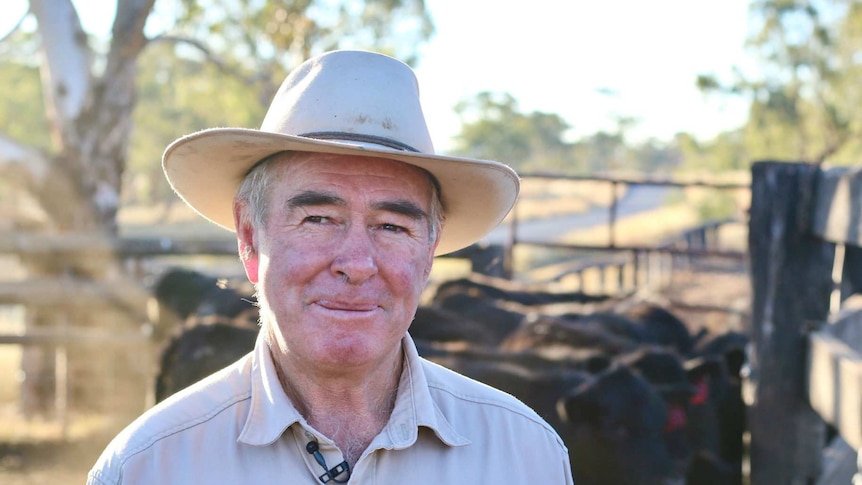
column 638, row 397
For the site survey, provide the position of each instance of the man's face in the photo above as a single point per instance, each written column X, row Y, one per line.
column 343, row 258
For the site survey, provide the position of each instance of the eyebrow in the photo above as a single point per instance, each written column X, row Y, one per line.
column 403, row 207
column 311, row 198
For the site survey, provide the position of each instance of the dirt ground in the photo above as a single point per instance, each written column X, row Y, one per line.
column 34, row 453
column 40, row 463
column 37, row 454
column 714, row 301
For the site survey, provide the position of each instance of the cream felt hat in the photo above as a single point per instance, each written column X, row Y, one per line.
column 351, row 103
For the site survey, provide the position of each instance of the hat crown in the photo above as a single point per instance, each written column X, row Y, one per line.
column 352, row 96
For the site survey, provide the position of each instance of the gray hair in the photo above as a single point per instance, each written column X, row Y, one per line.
column 257, row 185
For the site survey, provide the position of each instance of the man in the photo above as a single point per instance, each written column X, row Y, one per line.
column 340, row 205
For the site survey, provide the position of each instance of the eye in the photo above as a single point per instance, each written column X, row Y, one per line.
column 316, row 219
column 392, row 228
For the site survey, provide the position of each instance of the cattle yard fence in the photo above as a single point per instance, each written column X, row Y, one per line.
column 803, row 381
column 613, row 267
column 64, row 338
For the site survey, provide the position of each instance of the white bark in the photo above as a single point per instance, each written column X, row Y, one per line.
column 66, row 75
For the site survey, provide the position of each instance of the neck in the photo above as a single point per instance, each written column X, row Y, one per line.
column 349, row 411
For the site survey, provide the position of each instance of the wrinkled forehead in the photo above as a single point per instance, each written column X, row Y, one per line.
column 301, row 167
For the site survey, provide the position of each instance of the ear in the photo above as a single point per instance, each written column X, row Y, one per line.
column 430, row 263
column 709, row 377
column 246, row 241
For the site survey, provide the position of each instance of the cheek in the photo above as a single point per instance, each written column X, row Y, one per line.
column 290, row 266
column 415, row 275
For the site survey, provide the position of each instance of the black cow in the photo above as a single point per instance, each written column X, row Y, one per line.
column 709, row 469
column 548, row 334
column 199, row 351
column 503, row 290
column 179, row 291
column 611, row 420
column 665, row 371
column 614, row 427
column 185, row 297
column 499, row 319
column 729, row 348
column 695, row 391
column 443, row 325
column 661, row 326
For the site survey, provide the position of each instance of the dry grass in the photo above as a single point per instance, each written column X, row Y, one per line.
column 546, row 198
column 640, row 229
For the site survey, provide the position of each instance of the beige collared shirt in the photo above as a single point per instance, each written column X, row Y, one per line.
column 238, row 427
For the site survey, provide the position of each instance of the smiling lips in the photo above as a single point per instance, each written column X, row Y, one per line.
column 346, row 306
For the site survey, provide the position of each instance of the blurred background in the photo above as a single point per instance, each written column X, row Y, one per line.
column 633, row 124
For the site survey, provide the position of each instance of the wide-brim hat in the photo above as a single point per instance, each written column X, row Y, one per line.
column 349, row 103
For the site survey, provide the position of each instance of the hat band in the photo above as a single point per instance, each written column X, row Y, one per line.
column 377, row 140
column 344, row 136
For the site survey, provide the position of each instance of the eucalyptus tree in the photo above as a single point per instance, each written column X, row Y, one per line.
column 89, row 85
column 69, row 162
column 493, row 127
column 805, row 96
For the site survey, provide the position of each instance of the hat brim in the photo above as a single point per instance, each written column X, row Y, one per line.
column 206, row 168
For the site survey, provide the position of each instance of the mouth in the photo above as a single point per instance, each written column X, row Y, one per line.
column 345, row 306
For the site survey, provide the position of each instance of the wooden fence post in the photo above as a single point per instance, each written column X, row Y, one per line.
column 791, row 274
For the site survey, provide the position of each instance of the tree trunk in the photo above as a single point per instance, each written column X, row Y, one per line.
column 90, row 118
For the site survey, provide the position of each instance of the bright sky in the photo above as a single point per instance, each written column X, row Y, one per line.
column 565, row 57
column 556, row 55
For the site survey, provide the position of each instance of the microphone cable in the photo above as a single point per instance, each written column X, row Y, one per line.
column 329, row 474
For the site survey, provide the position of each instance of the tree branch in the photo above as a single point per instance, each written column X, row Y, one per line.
column 15, row 27
column 128, row 37
column 209, row 56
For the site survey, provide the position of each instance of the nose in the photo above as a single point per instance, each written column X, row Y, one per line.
column 355, row 260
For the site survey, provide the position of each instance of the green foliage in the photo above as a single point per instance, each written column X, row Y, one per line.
column 265, row 39
column 22, row 114
column 177, row 96
column 726, row 151
column 210, row 63
column 249, row 46
column 804, row 104
column 720, row 205
column 493, row 128
column 601, row 153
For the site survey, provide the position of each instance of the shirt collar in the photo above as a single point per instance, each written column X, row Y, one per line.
column 271, row 412
column 415, row 407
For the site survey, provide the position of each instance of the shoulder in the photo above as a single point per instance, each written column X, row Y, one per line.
column 492, row 420
column 455, row 393
column 224, row 392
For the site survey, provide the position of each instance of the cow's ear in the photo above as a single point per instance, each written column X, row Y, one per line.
column 571, row 409
column 734, row 359
column 707, row 375
column 597, row 363
column 578, row 404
